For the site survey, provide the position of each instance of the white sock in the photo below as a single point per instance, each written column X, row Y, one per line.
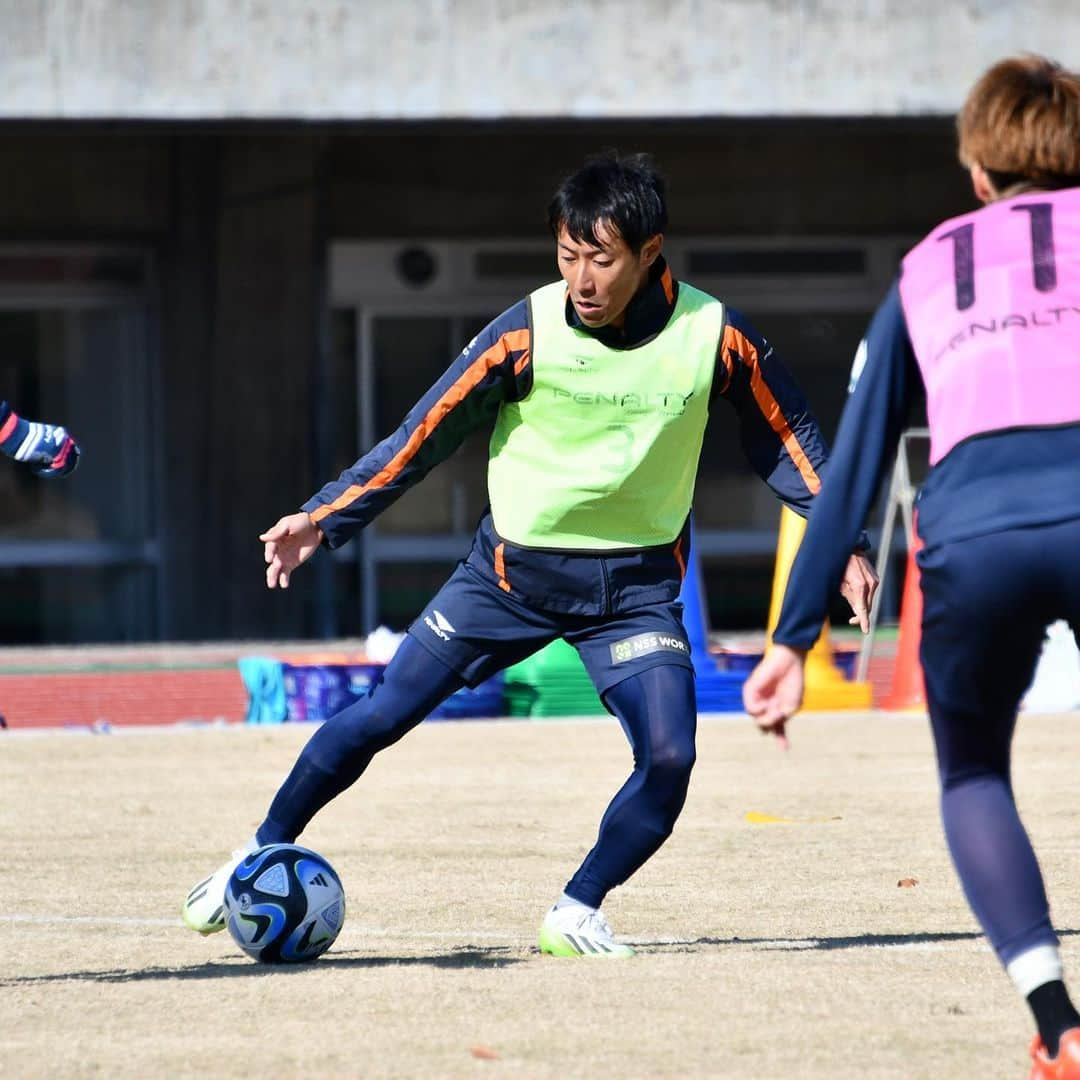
column 569, row 901
column 1034, row 968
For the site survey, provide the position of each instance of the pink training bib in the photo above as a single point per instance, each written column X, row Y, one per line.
column 992, row 302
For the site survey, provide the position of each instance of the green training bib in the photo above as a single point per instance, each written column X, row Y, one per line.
column 603, row 452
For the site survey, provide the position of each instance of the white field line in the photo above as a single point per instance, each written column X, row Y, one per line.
column 86, row 920
column 349, row 932
column 467, row 937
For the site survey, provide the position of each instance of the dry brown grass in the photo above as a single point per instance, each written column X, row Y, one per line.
column 771, row 950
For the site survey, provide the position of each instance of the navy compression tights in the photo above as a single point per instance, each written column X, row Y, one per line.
column 655, row 708
column 658, row 712
column 985, row 604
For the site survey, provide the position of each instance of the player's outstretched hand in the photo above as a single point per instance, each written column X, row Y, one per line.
column 47, row 449
column 293, row 540
column 858, row 588
column 54, row 454
column 774, row 690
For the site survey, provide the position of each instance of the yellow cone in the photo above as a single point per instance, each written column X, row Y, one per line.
column 826, row 687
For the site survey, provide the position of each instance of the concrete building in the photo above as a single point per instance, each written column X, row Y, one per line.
column 238, row 240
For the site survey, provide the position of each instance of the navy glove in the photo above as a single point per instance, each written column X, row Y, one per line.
column 47, row 450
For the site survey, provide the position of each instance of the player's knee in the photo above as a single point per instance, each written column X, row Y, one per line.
column 361, row 726
column 381, row 727
column 673, row 759
column 974, row 773
column 968, row 760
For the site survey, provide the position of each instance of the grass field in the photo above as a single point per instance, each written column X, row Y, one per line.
column 769, row 949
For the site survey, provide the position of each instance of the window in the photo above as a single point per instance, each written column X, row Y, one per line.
column 78, row 558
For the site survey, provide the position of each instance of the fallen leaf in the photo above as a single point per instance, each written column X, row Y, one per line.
column 756, row 817
column 485, row 1053
column 907, row 883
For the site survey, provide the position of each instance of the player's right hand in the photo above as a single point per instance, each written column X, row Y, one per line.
column 774, row 691
column 293, row 540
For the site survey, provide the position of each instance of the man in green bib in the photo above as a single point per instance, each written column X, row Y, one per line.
column 599, row 386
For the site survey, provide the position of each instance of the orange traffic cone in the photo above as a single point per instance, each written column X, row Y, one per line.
column 908, row 691
column 826, row 689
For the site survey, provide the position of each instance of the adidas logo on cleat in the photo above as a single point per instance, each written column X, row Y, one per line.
column 199, row 891
column 584, row 945
column 204, row 909
column 575, row 930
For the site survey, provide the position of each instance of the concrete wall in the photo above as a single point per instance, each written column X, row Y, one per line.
column 412, row 59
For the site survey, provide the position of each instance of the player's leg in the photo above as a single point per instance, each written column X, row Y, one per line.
column 414, row 683
column 658, row 712
column 335, row 757
column 986, row 603
column 1054, row 1011
column 657, row 709
column 467, row 632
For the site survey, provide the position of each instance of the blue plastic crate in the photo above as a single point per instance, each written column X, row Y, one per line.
column 484, row 702
column 317, row 691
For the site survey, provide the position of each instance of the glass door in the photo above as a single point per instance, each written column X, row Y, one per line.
column 409, row 552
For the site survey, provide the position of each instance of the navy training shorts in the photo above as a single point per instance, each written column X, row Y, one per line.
column 476, row 629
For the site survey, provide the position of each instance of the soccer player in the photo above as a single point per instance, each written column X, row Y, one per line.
column 47, row 449
column 599, row 387
column 986, row 316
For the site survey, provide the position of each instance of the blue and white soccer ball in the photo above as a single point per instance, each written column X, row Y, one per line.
column 284, row 904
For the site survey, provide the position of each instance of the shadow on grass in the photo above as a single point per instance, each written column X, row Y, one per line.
column 486, row 958
column 237, row 968
column 825, row 944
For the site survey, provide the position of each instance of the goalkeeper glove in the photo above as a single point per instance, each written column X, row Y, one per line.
column 48, row 450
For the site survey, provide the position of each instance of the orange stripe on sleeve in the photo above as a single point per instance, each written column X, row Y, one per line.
column 770, row 407
column 470, row 378
column 500, row 568
column 679, row 558
column 729, row 367
column 522, row 362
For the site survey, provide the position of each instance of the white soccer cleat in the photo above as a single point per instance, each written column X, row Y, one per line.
column 571, row 929
column 204, row 908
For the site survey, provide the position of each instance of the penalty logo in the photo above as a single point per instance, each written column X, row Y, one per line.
column 440, row 626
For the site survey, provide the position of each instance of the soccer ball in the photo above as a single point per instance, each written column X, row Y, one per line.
column 284, row 904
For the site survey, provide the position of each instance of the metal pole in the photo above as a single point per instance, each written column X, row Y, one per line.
column 369, row 581
column 901, row 498
column 887, row 527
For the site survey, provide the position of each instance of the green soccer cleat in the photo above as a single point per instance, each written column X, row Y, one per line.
column 204, row 908
column 577, row 930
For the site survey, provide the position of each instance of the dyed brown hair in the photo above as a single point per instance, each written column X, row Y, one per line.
column 1021, row 123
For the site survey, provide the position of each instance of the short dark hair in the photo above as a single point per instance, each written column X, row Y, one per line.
column 625, row 192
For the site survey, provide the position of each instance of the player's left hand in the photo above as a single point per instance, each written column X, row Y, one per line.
column 54, row 453
column 858, row 587
column 774, row 691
